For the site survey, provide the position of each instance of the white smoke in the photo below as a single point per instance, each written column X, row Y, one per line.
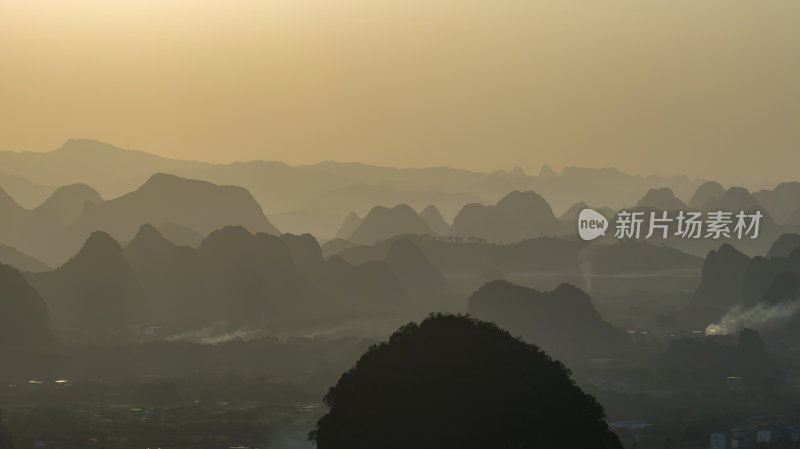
column 761, row 316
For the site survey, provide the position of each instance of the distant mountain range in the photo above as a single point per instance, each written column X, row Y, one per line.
column 732, row 278
column 56, row 229
column 325, row 188
column 317, row 198
column 233, row 276
column 545, row 254
column 516, row 217
column 563, row 321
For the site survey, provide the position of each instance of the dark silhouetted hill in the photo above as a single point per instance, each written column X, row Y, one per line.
column 414, row 270
column 367, row 289
column 23, row 313
column 351, row 223
column 455, row 382
column 518, row 216
column 95, row 290
column 784, row 245
column 785, row 287
column 431, row 216
column 723, row 277
column 763, row 272
column 251, row 278
column 382, row 223
column 173, row 278
column 306, row 252
column 563, row 321
column 344, row 290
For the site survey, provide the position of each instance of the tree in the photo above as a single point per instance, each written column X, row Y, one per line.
column 456, row 382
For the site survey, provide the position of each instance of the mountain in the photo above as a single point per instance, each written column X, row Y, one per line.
column 321, row 224
column 628, row 256
column 335, row 246
column 12, row 216
column 723, row 277
column 518, row 216
column 330, row 187
column 306, row 252
column 382, row 223
column 23, row 313
column 361, row 197
column 173, row 278
column 762, row 273
column 784, row 245
column 563, row 321
column 547, row 172
column 351, row 223
column 199, row 205
column 164, row 199
column 251, row 278
column 28, row 194
column 21, row 261
column 786, row 287
column 781, row 202
column 734, row 199
column 369, row 289
column 342, row 289
column 707, row 191
column 87, row 161
column 431, row 216
column 52, row 218
column 180, row 234
column 66, row 203
column 794, row 218
column 661, row 199
column 94, row 291
column 533, row 255
column 411, row 266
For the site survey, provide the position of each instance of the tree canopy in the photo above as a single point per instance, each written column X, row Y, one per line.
column 456, row 382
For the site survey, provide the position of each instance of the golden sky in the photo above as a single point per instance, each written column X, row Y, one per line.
column 703, row 87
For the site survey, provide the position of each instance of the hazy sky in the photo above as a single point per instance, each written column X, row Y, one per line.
column 703, row 87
